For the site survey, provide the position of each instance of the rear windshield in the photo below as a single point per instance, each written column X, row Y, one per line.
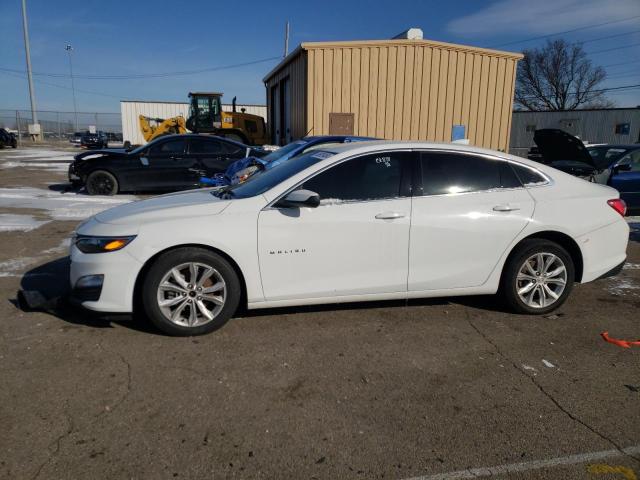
column 259, row 184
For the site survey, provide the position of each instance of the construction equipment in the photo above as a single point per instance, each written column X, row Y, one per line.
column 153, row 128
column 206, row 116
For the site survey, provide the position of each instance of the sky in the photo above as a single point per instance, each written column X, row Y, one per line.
column 127, row 38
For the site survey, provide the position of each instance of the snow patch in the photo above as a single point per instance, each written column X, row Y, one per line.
column 631, row 266
column 547, row 363
column 62, row 167
column 19, row 223
column 12, row 268
column 60, row 206
column 620, row 286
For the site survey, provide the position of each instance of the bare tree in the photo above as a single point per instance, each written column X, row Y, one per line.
column 559, row 76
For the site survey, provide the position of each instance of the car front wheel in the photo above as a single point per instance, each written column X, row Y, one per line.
column 190, row 291
column 101, row 182
column 538, row 277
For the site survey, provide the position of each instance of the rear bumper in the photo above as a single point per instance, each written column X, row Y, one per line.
column 614, row 271
column 603, row 250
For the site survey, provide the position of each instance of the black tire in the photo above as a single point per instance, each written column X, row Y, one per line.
column 509, row 284
column 170, row 260
column 101, row 182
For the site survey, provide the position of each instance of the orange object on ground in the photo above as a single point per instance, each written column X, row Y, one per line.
column 620, row 343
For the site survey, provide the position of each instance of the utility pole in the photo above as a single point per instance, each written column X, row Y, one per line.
column 69, row 49
column 286, row 40
column 35, row 130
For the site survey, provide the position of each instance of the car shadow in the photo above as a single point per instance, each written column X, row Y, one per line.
column 46, row 289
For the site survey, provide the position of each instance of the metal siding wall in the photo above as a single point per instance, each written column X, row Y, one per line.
column 260, row 110
column 593, row 126
column 296, row 70
column 408, row 92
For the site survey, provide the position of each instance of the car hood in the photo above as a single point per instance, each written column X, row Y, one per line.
column 554, row 145
column 193, row 203
column 105, row 152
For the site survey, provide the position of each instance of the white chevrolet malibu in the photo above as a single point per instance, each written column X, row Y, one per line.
column 365, row 221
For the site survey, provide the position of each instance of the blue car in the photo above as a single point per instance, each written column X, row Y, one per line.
column 625, row 178
column 240, row 170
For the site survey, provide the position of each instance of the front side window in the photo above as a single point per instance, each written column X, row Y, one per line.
column 369, row 177
column 168, row 147
column 448, row 172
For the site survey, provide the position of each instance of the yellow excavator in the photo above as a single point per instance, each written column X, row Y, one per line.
column 206, row 116
column 153, row 128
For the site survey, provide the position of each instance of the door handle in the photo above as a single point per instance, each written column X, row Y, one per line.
column 175, row 158
column 389, row 215
column 505, row 208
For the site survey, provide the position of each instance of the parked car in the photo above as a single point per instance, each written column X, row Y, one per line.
column 76, row 138
column 172, row 162
column 364, row 221
column 8, row 139
column 242, row 169
column 626, row 178
column 98, row 139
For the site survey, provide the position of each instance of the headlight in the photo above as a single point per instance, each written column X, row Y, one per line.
column 88, row 244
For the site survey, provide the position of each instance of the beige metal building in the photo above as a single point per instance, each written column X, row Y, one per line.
column 405, row 89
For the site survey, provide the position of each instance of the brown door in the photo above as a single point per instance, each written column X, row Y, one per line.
column 341, row 123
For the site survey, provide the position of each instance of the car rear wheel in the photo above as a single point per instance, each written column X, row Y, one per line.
column 538, row 277
column 101, row 182
column 190, row 291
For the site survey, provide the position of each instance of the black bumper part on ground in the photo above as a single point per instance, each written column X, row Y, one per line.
column 614, row 271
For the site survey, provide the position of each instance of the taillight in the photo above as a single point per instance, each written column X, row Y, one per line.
column 618, row 205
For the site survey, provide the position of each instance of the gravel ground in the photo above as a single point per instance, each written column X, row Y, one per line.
column 439, row 389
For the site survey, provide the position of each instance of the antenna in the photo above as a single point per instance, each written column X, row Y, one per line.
column 286, row 39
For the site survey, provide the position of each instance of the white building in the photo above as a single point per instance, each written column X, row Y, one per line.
column 131, row 109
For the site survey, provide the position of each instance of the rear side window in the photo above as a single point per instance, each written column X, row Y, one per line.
column 171, row 146
column 528, row 176
column 201, row 145
column 369, row 177
column 444, row 173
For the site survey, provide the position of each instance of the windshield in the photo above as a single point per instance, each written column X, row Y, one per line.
column 604, row 156
column 283, row 152
column 258, row 184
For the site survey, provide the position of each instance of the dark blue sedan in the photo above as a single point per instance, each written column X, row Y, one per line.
column 626, row 178
column 241, row 170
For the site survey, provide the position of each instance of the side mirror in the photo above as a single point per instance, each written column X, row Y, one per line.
column 300, row 198
column 623, row 167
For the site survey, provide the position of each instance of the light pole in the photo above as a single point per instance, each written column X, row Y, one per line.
column 69, row 49
column 34, row 131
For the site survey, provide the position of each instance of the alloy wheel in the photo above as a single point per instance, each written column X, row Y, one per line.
column 191, row 294
column 102, row 184
column 541, row 280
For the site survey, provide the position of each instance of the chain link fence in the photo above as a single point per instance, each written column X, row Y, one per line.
column 60, row 126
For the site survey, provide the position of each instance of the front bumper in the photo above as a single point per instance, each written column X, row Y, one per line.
column 73, row 175
column 120, row 271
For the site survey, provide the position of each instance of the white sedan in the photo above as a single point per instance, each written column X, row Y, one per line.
column 365, row 221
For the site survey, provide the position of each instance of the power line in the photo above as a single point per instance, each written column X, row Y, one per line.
column 148, row 75
column 614, row 48
column 89, row 92
column 609, row 36
column 618, row 89
column 586, row 27
column 621, row 63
